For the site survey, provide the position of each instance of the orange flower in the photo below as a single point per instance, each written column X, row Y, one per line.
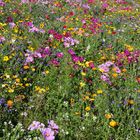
column 108, row 116
column 26, row 67
column 10, row 103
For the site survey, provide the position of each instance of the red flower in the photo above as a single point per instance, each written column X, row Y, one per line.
column 71, row 13
column 64, row 26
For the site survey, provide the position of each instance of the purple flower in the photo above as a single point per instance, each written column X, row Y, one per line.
column 2, row 101
column 47, row 51
column 48, row 134
column 53, row 126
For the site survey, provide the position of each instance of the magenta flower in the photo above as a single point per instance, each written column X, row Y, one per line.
column 71, row 52
column 59, row 54
column 48, row 134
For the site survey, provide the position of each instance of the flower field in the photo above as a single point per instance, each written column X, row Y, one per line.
column 69, row 69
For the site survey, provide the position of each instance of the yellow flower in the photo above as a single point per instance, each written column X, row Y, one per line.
column 33, row 69
column 131, row 102
column 99, row 91
column 92, row 99
column 87, row 108
column 47, row 72
column 82, row 84
column 37, row 88
column 27, row 84
column 47, row 88
column 94, row 95
column 83, row 73
column 10, row 90
column 87, row 97
column 113, row 123
column 31, row 48
column 42, row 25
column 128, row 47
column 15, row 29
column 25, row 79
column 5, row 58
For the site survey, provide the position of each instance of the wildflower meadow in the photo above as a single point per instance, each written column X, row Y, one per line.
column 69, row 69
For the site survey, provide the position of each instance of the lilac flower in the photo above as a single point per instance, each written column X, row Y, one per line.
column 105, row 77
column 29, row 59
column 48, row 134
column 34, row 126
column 68, row 41
column 103, row 68
column 37, row 54
column 108, row 63
column 53, row 126
column 86, row 6
column 24, row 1
column 12, row 24
column 33, row 29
